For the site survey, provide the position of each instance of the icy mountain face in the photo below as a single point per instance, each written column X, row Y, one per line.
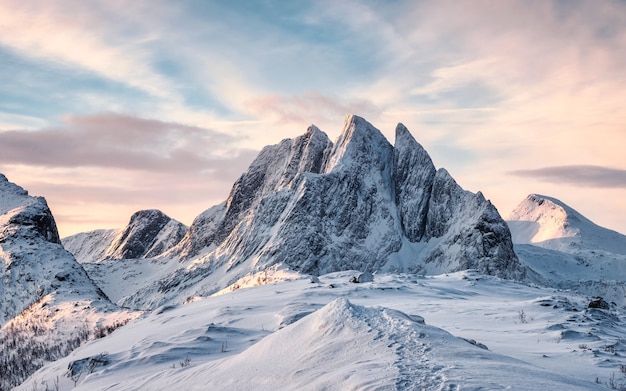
column 318, row 207
column 148, row 234
column 200, row 234
column 414, row 175
column 321, row 207
column 467, row 232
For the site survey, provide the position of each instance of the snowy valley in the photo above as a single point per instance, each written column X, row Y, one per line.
column 353, row 264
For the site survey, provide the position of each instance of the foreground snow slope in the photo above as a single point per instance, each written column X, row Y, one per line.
column 333, row 334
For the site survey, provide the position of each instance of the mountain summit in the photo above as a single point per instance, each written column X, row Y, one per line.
column 316, row 207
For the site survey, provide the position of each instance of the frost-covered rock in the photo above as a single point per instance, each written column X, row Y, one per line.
column 148, row 234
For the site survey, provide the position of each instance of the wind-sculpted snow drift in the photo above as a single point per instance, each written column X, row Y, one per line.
column 357, row 204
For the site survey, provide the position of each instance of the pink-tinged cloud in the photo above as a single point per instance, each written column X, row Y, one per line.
column 588, row 176
column 122, row 141
column 311, row 106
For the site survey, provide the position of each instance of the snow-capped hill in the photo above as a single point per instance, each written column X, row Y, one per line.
column 564, row 249
column 148, row 234
column 550, row 223
column 358, row 204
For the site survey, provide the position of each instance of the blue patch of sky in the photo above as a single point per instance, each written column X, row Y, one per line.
column 287, row 48
column 471, row 95
column 48, row 89
column 452, row 157
column 194, row 94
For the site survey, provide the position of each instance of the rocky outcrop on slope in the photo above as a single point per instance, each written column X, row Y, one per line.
column 148, row 234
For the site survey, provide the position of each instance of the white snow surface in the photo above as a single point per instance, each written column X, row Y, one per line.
column 327, row 333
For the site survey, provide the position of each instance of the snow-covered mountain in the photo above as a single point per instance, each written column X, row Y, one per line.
column 149, row 233
column 567, row 250
column 313, row 206
column 48, row 304
column 549, row 223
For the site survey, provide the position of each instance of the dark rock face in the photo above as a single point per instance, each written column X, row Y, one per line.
column 273, row 170
column 39, row 218
column 149, row 233
column 140, row 234
column 599, row 303
column 320, row 207
column 414, row 174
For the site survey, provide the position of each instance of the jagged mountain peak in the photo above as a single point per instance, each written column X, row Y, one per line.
column 148, row 234
column 359, row 143
column 33, row 263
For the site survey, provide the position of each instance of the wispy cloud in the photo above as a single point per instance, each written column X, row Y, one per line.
column 120, row 141
column 311, row 105
column 589, row 176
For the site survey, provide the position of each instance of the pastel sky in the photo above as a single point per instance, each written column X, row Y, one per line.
column 108, row 107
